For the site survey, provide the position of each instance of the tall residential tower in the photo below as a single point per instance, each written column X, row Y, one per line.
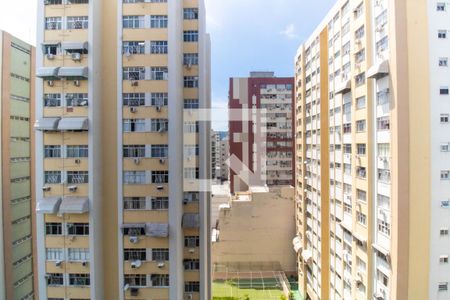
column 372, row 160
column 121, row 155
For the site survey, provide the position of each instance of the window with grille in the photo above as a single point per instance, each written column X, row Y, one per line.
column 77, row 151
column 159, row 99
column 134, row 73
column 52, row 177
column 190, row 13
column 135, row 280
column 77, row 177
column 159, row 47
column 160, row 203
column 134, row 254
column 77, row 22
column 52, row 151
column 158, row 21
column 52, row 100
column 78, row 228
column 190, row 36
column 159, row 125
column 133, row 47
column 160, row 254
column 133, row 151
column 79, row 279
column 160, row 176
column 191, row 81
column 53, row 23
column 134, row 125
column 134, row 203
column 159, row 73
column 133, row 99
column 55, row 279
column 77, row 99
column 160, row 280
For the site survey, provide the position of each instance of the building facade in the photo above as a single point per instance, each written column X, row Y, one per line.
column 372, row 160
column 215, row 155
column 224, row 154
column 122, row 156
column 17, row 255
column 261, row 129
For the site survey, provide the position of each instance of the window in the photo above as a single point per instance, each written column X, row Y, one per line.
column 134, row 203
column 384, row 227
column 443, row 62
column 53, row 228
column 159, row 151
column 191, row 264
column 77, row 1
column 190, row 13
column 134, row 125
column 384, row 175
column 158, row 21
column 382, row 278
column 77, row 22
column 55, row 279
column 190, row 36
column 347, row 208
column 443, row 286
column 78, row 228
column 77, row 151
column 134, row 254
column 361, row 195
column 190, row 59
column 160, row 280
column 52, row 177
column 77, row 177
column 361, row 102
column 159, row 125
column 443, row 232
column 359, row 33
column 134, row 73
column 192, row 287
column 160, row 254
column 133, row 99
column 134, row 177
column 359, row 10
column 360, row 79
column 442, row 34
column 135, row 280
column 444, row 118
column 360, row 125
column 51, row 49
column 191, row 197
column 383, row 123
column 361, row 172
column 440, row 6
column 191, row 241
column 191, row 173
column 191, row 81
column 160, row 176
column 52, row 100
column 159, row 99
column 362, row 219
column 160, row 203
column 443, row 90
column 348, row 148
column 133, row 151
column 77, row 99
column 133, row 22
column 191, row 127
column 384, row 150
column 361, row 149
column 445, row 175
column 54, row 254
column 132, row 231
column 53, row 23
column 52, row 2
column 133, row 47
column 347, row 128
column 445, row 147
column 159, row 73
column 191, row 104
column 383, row 201
column 79, row 279
column 383, row 97
column 78, row 254
column 159, row 47
column 51, row 151
column 443, row 259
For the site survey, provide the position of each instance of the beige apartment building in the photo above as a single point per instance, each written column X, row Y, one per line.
column 17, row 245
column 372, row 152
column 121, row 156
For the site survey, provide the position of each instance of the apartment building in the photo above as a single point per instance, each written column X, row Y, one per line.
column 372, row 192
column 261, row 136
column 17, row 255
column 224, row 154
column 215, row 155
column 121, row 152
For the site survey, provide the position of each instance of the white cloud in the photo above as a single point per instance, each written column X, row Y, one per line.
column 290, row 32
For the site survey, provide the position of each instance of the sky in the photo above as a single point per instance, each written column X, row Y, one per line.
column 246, row 35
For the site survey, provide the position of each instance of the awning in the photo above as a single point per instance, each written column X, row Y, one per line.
column 74, row 205
column 191, row 221
column 48, row 205
column 306, row 255
column 73, row 124
column 360, row 238
column 74, row 46
column 344, row 87
column 224, row 206
column 297, row 243
column 47, row 124
column 76, row 72
column 346, row 226
column 379, row 70
column 48, row 72
column 157, row 229
column 380, row 249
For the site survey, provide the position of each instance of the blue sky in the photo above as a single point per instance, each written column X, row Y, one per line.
column 250, row 35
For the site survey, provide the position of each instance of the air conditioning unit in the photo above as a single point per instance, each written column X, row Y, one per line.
column 126, row 287
column 58, row 263
column 137, row 161
column 160, row 187
column 162, row 130
column 136, row 264
column 158, row 108
column 76, row 56
column 50, row 83
column 188, row 296
column 72, row 188
column 84, row 263
column 191, row 250
column 72, row 238
column 133, row 109
column 134, row 291
column 78, row 161
column 50, row 56
column 134, row 83
column 76, row 83
column 134, row 239
column 46, row 188
column 161, row 264
column 162, row 161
